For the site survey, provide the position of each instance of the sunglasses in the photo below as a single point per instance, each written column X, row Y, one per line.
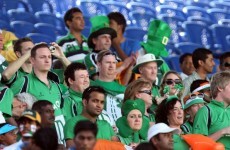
column 149, row 92
column 226, row 64
column 171, row 81
column 198, row 95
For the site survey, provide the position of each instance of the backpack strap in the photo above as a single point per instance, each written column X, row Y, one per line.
column 209, row 116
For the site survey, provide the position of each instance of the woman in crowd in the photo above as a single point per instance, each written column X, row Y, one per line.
column 192, row 105
column 171, row 84
column 132, row 126
column 141, row 89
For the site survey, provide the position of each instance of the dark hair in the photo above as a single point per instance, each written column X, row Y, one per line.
column 37, row 46
column 118, row 18
column 85, row 125
column 69, row 14
column 197, row 83
column 70, row 70
column 182, row 57
column 91, row 89
column 37, row 106
column 200, row 54
column 46, row 139
column 223, row 57
column 163, row 110
column 145, row 146
column 17, row 43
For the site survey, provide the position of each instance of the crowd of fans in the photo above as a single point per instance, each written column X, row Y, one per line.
column 85, row 93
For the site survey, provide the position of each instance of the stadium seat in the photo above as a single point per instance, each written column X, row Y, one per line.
column 38, row 37
column 86, row 31
column 196, row 11
column 221, row 5
column 5, row 25
column 152, row 3
column 6, row 5
column 221, row 32
column 174, row 3
column 46, row 29
column 118, row 7
column 4, row 17
column 166, row 9
column 91, row 8
column 21, row 28
column 40, row 5
column 174, row 61
column 141, row 19
column 187, row 47
column 135, row 33
column 17, row 15
column 203, row 4
column 217, row 14
column 199, row 33
column 141, row 7
column 224, row 22
column 198, row 19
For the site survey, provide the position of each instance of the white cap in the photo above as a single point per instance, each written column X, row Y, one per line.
column 160, row 128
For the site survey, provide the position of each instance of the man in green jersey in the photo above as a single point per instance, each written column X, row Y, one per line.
column 213, row 120
column 74, row 44
column 22, row 66
column 41, row 86
column 93, row 100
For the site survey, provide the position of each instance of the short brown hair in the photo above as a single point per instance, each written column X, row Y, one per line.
column 103, row 53
column 37, row 46
column 219, row 80
column 18, row 44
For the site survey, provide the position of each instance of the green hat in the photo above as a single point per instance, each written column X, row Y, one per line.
column 158, row 35
column 100, row 25
column 171, row 98
column 191, row 102
column 130, row 105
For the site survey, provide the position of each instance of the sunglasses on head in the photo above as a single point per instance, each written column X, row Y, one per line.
column 149, row 92
column 227, row 64
column 171, row 81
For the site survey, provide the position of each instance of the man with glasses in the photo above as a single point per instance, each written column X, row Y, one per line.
column 225, row 61
column 93, row 100
column 213, row 119
column 191, row 106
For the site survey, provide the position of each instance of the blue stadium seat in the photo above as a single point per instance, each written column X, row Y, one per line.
column 221, row 5
column 141, row 19
column 199, row 19
column 21, row 28
column 87, row 21
column 5, row 25
column 165, row 9
column 203, row 4
column 174, row 61
column 46, row 29
column 196, row 11
column 224, row 22
column 199, row 33
column 221, row 32
column 187, row 47
column 135, row 33
column 174, row 3
column 91, row 8
column 38, row 37
column 217, row 14
column 17, row 15
column 152, row 3
column 118, row 7
column 4, row 17
column 86, row 31
column 6, row 5
column 46, row 17
column 40, row 5
column 141, row 7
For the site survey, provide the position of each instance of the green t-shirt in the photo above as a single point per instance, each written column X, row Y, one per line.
column 219, row 119
column 31, row 84
column 179, row 143
column 72, row 104
column 6, row 100
column 187, row 127
column 114, row 97
column 71, row 48
column 105, row 131
column 128, row 140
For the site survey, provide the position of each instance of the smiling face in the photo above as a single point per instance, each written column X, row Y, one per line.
column 134, row 120
column 176, row 115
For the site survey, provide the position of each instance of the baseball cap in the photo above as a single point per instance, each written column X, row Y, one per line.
column 31, row 114
column 160, row 128
column 6, row 128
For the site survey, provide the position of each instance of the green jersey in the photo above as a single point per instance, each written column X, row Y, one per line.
column 72, row 104
column 212, row 118
column 33, row 85
column 187, row 127
column 72, row 49
column 179, row 143
column 6, row 100
column 105, row 131
column 114, row 97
